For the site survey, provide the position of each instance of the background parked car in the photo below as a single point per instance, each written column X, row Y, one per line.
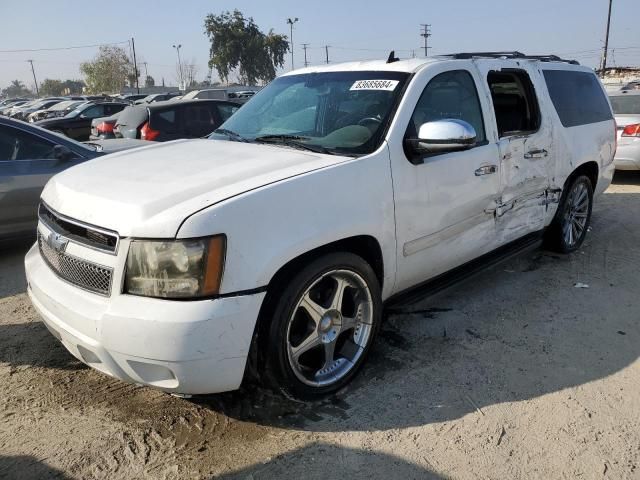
column 102, row 127
column 57, row 110
column 132, row 97
column 163, row 121
column 21, row 112
column 626, row 106
column 29, row 156
column 157, row 97
column 4, row 110
column 77, row 124
column 10, row 101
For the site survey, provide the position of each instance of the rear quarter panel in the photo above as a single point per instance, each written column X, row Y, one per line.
column 269, row 226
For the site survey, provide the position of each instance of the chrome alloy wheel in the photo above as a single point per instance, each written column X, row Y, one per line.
column 576, row 214
column 329, row 328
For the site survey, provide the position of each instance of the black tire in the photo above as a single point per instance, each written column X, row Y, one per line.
column 556, row 235
column 275, row 345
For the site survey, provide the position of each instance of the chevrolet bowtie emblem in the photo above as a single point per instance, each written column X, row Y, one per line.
column 57, row 242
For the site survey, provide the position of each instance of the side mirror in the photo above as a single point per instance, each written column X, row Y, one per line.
column 443, row 136
column 62, row 153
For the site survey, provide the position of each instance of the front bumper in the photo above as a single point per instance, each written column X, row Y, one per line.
column 187, row 347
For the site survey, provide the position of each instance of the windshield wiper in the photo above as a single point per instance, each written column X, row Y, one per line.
column 293, row 141
column 231, row 134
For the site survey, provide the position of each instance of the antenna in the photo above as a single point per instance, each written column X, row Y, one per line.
column 392, row 57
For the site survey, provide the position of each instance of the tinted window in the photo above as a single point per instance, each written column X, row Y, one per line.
column 93, row 112
column 626, row 104
column 226, row 111
column 450, row 95
column 111, row 109
column 164, row 120
column 577, row 97
column 18, row 145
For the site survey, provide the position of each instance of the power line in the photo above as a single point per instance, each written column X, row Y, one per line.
column 62, row 48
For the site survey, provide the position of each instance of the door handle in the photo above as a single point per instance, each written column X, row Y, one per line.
column 486, row 170
column 536, row 153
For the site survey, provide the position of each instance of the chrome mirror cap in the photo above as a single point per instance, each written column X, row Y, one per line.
column 446, row 135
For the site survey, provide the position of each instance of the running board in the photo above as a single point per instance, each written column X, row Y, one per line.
column 464, row 272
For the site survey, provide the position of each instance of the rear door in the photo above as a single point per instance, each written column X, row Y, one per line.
column 525, row 129
column 26, row 164
column 80, row 127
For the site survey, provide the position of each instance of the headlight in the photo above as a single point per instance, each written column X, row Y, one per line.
column 175, row 268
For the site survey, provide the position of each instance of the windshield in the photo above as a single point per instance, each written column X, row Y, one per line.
column 625, row 104
column 334, row 112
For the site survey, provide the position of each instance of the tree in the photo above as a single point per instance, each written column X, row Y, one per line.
column 149, row 81
column 237, row 44
column 55, row 88
column 108, row 71
column 188, row 73
column 16, row 89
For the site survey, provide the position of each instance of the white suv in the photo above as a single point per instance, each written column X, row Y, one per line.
column 271, row 247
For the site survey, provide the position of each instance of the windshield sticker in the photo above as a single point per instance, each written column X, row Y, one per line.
column 388, row 85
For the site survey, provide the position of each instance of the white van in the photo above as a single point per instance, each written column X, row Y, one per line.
column 271, row 247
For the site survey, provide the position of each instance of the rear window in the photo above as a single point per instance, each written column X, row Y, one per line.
column 626, row 104
column 577, row 97
column 133, row 116
column 164, row 120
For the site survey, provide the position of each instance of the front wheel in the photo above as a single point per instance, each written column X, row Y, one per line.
column 569, row 227
column 323, row 326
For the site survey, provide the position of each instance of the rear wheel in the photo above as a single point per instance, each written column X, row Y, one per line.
column 322, row 327
column 569, row 227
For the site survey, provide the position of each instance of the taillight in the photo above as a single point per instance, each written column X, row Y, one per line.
column 105, row 127
column 148, row 133
column 632, row 130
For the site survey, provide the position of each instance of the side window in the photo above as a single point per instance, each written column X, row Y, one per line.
column 449, row 95
column 164, row 120
column 514, row 102
column 18, row 145
column 111, row 109
column 198, row 117
column 577, row 97
column 226, row 111
column 94, row 112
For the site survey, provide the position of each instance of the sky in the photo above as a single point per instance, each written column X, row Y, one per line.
column 353, row 29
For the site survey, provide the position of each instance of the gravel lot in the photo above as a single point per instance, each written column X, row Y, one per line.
column 514, row 373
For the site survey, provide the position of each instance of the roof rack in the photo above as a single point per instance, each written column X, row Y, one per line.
column 514, row 54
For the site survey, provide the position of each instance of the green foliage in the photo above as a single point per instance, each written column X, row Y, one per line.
column 108, row 71
column 149, row 81
column 237, row 44
column 56, row 88
column 16, row 89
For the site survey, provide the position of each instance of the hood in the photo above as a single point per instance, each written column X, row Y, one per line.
column 150, row 191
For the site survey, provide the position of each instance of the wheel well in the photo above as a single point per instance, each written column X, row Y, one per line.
column 364, row 246
column 590, row 169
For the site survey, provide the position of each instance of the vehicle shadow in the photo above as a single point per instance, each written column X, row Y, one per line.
column 31, row 344
column 12, row 277
column 28, row 468
column 626, row 177
column 515, row 332
column 324, row 461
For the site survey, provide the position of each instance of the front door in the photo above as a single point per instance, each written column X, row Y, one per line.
column 26, row 164
column 444, row 202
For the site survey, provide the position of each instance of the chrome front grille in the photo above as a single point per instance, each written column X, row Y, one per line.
column 79, row 232
column 81, row 273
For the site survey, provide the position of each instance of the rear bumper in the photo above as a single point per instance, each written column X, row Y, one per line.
column 182, row 347
column 606, row 177
column 628, row 154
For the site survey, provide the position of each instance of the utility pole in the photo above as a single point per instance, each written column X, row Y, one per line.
column 426, row 33
column 34, row 77
column 135, row 64
column 304, row 47
column 326, row 51
column 603, row 64
column 291, row 21
column 178, row 47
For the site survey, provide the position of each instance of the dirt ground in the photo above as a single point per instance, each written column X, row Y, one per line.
column 512, row 374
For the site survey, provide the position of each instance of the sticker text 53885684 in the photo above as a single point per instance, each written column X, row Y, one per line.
column 389, row 85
